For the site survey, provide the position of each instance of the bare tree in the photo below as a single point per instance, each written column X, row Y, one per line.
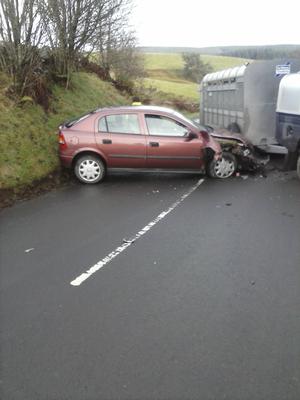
column 116, row 46
column 67, row 29
column 109, row 32
column 71, row 27
column 127, row 63
column 21, row 33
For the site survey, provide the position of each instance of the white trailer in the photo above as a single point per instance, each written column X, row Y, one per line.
column 243, row 99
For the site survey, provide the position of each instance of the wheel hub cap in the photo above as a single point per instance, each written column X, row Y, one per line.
column 224, row 168
column 89, row 170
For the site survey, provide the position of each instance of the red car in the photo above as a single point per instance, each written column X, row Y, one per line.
column 137, row 137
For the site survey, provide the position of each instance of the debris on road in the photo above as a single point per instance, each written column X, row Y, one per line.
column 29, row 250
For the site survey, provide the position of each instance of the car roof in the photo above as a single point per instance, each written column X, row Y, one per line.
column 124, row 109
column 138, row 108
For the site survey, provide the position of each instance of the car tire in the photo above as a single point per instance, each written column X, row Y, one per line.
column 89, row 169
column 298, row 166
column 223, row 168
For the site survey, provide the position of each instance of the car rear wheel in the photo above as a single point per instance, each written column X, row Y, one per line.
column 89, row 169
column 223, row 168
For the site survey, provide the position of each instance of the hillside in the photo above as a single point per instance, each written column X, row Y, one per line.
column 220, row 50
column 164, row 72
column 27, row 133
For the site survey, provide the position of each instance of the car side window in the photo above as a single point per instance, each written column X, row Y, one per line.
column 163, row 126
column 102, row 125
column 120, row 123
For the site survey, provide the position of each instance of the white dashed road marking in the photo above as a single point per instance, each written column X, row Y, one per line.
column 85, row 275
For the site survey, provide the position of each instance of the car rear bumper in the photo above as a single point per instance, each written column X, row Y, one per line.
column 66, row 161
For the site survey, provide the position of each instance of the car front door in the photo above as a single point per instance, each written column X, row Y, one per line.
column 169, row 146
column 122, row 140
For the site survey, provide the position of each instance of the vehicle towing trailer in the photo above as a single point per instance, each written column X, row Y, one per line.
column 243, row 100
column 288, row 119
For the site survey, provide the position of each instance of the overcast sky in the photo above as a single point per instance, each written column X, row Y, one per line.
column 196, row 23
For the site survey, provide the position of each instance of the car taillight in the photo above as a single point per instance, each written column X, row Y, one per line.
column 62, row 141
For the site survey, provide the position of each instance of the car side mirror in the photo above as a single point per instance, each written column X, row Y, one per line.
column 191, row 136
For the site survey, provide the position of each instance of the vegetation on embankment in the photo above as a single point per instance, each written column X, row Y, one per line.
column 28, row 134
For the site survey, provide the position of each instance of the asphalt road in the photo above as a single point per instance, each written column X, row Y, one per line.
column 203, row 305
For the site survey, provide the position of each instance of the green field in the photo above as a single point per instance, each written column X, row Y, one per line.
column 174, row 61
column 178, row 88
column 164, row 72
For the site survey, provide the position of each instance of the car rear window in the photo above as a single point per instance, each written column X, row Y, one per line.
column 74, row 121
column 120, row 123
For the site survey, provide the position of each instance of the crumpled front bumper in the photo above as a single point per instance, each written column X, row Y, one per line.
column 249, row 158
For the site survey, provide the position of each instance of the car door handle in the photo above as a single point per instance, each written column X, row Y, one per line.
column 106, row 141
column 154, row 144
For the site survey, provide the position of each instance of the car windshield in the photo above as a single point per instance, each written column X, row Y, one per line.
column 187, row 120
column 203, row 127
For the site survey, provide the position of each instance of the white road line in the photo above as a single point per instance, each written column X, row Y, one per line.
column 84, row 276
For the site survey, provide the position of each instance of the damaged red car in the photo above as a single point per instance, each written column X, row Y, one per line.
column 142, row 138
column 238, row 153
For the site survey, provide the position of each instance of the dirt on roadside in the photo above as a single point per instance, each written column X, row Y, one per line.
column 57, row 179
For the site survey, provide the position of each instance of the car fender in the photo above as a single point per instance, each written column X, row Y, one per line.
column 91, row 150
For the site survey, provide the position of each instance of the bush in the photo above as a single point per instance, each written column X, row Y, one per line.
column 194, row 67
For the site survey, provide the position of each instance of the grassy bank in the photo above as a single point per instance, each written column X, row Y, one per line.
column 27, row 133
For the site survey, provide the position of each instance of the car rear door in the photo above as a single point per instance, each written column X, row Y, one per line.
column 121, row 138
column 168, row 144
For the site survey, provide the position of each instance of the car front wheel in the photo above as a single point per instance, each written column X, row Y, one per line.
column 89, row 169
column 223, row 168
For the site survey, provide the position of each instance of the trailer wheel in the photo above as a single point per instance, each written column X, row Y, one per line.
column 234, row 128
